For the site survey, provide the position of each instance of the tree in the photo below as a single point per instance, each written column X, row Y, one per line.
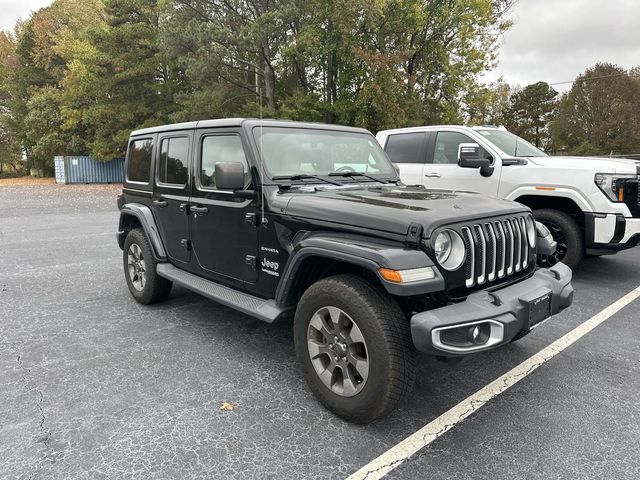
column 83, row 74
column 600, row 114
column 9, row 147
column 121, row 79
column 33, row 81
column 488, row 104
column 530, row 111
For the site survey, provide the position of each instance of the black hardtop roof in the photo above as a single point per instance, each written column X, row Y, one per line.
column 237, row 122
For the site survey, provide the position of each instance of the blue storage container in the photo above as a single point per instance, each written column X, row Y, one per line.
column 82, row 169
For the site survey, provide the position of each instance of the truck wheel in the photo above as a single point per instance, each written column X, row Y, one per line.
column 566, row 231
column 354, row 346
column 145, row 285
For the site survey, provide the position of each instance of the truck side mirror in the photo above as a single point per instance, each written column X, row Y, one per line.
column 469, row 156
column 229, row 176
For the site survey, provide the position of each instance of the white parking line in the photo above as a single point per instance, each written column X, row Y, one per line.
column 393, row 457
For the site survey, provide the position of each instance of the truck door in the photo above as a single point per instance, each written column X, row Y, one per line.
column 171, row 193
column 442, row 170
column 224, row 232
column 408, row 151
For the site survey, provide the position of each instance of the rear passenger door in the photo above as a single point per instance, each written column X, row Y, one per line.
column 408, row 151
column 171, row 193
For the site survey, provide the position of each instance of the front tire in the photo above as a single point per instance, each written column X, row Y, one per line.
column 354, row 346
column 566, row 232
column 144, row 283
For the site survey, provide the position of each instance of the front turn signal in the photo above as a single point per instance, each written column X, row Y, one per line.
column 407, row 276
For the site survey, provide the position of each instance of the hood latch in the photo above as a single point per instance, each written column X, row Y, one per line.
column 414, row 234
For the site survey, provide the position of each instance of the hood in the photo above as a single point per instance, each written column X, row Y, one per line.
column 602, row 165
column 392, row 209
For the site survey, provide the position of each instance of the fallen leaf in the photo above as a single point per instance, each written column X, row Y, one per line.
column 226, row 407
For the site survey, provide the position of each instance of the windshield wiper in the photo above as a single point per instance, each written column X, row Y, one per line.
column 305, row 176
column 352, row 174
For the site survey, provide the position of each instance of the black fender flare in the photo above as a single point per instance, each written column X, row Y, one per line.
column 371, row 254
column 148, row 223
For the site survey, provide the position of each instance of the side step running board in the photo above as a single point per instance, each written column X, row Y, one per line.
column 265, row 310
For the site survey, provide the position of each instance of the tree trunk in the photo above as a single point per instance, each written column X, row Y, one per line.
column 269, row 76
column 332, row 84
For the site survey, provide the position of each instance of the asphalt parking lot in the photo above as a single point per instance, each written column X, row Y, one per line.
column 93, row 385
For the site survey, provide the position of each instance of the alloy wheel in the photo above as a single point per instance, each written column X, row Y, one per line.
column 136, row 267
column 338, row 351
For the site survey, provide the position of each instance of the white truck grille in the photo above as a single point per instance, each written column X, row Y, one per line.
column 495, row 250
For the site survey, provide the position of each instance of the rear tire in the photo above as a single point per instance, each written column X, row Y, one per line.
column 369, row 327
column 144, row 283
column 566, row 232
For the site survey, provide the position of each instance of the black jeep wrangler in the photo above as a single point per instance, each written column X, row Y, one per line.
column 306, row 221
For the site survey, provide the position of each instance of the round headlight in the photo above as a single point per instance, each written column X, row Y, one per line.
column 531, row 232
column 449, row 250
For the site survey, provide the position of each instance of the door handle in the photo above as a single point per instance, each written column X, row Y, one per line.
column 199, row 210
column 160, row 203
column 432, row 175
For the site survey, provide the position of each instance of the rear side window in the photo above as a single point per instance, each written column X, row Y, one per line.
column 174, row 160
column 220, row 148
column 139, row 162
column 407, row 147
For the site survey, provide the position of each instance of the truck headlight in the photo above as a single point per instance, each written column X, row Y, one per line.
column 449, row 250
column 612, row 185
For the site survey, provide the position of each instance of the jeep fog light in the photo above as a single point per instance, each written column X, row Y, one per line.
column 407, row 276
column 479, row 334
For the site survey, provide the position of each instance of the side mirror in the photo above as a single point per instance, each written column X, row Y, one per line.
column 229, row 176
column 469, row 156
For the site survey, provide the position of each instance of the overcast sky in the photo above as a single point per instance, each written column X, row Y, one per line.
column 552, row 40
column 555, row 40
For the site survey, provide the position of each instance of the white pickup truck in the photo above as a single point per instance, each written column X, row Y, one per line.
column 591, row 205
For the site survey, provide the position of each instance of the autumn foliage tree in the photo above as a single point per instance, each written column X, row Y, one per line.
column 601, row 113
column 85, row 73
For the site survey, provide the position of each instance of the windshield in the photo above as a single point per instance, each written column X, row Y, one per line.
column 511, row 144
column 290, row 152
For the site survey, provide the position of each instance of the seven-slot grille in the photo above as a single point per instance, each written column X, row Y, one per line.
column 495, row 249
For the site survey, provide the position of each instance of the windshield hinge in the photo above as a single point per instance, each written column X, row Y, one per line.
column 414, row 234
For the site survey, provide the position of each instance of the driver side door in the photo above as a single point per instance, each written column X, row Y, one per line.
column 224, row 239
column 442, row 169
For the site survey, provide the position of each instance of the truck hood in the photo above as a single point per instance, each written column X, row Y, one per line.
column 597, row 164
column 391, row 209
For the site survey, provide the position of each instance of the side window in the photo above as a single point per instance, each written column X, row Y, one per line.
column 174, row 160
column 220, row 148
column 139, row 161
column 446, row 147
column 407, row 147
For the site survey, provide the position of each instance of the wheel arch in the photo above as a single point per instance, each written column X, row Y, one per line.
column 321, row 255
column 562, row 204
column 135, row 215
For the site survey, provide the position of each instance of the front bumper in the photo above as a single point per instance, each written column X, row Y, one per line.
column 607, row 233
column 505, row 311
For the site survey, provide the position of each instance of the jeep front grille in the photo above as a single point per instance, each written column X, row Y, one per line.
column 495, row 250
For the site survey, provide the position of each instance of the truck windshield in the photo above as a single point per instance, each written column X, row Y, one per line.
column 511, row 144
column 308, row 153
